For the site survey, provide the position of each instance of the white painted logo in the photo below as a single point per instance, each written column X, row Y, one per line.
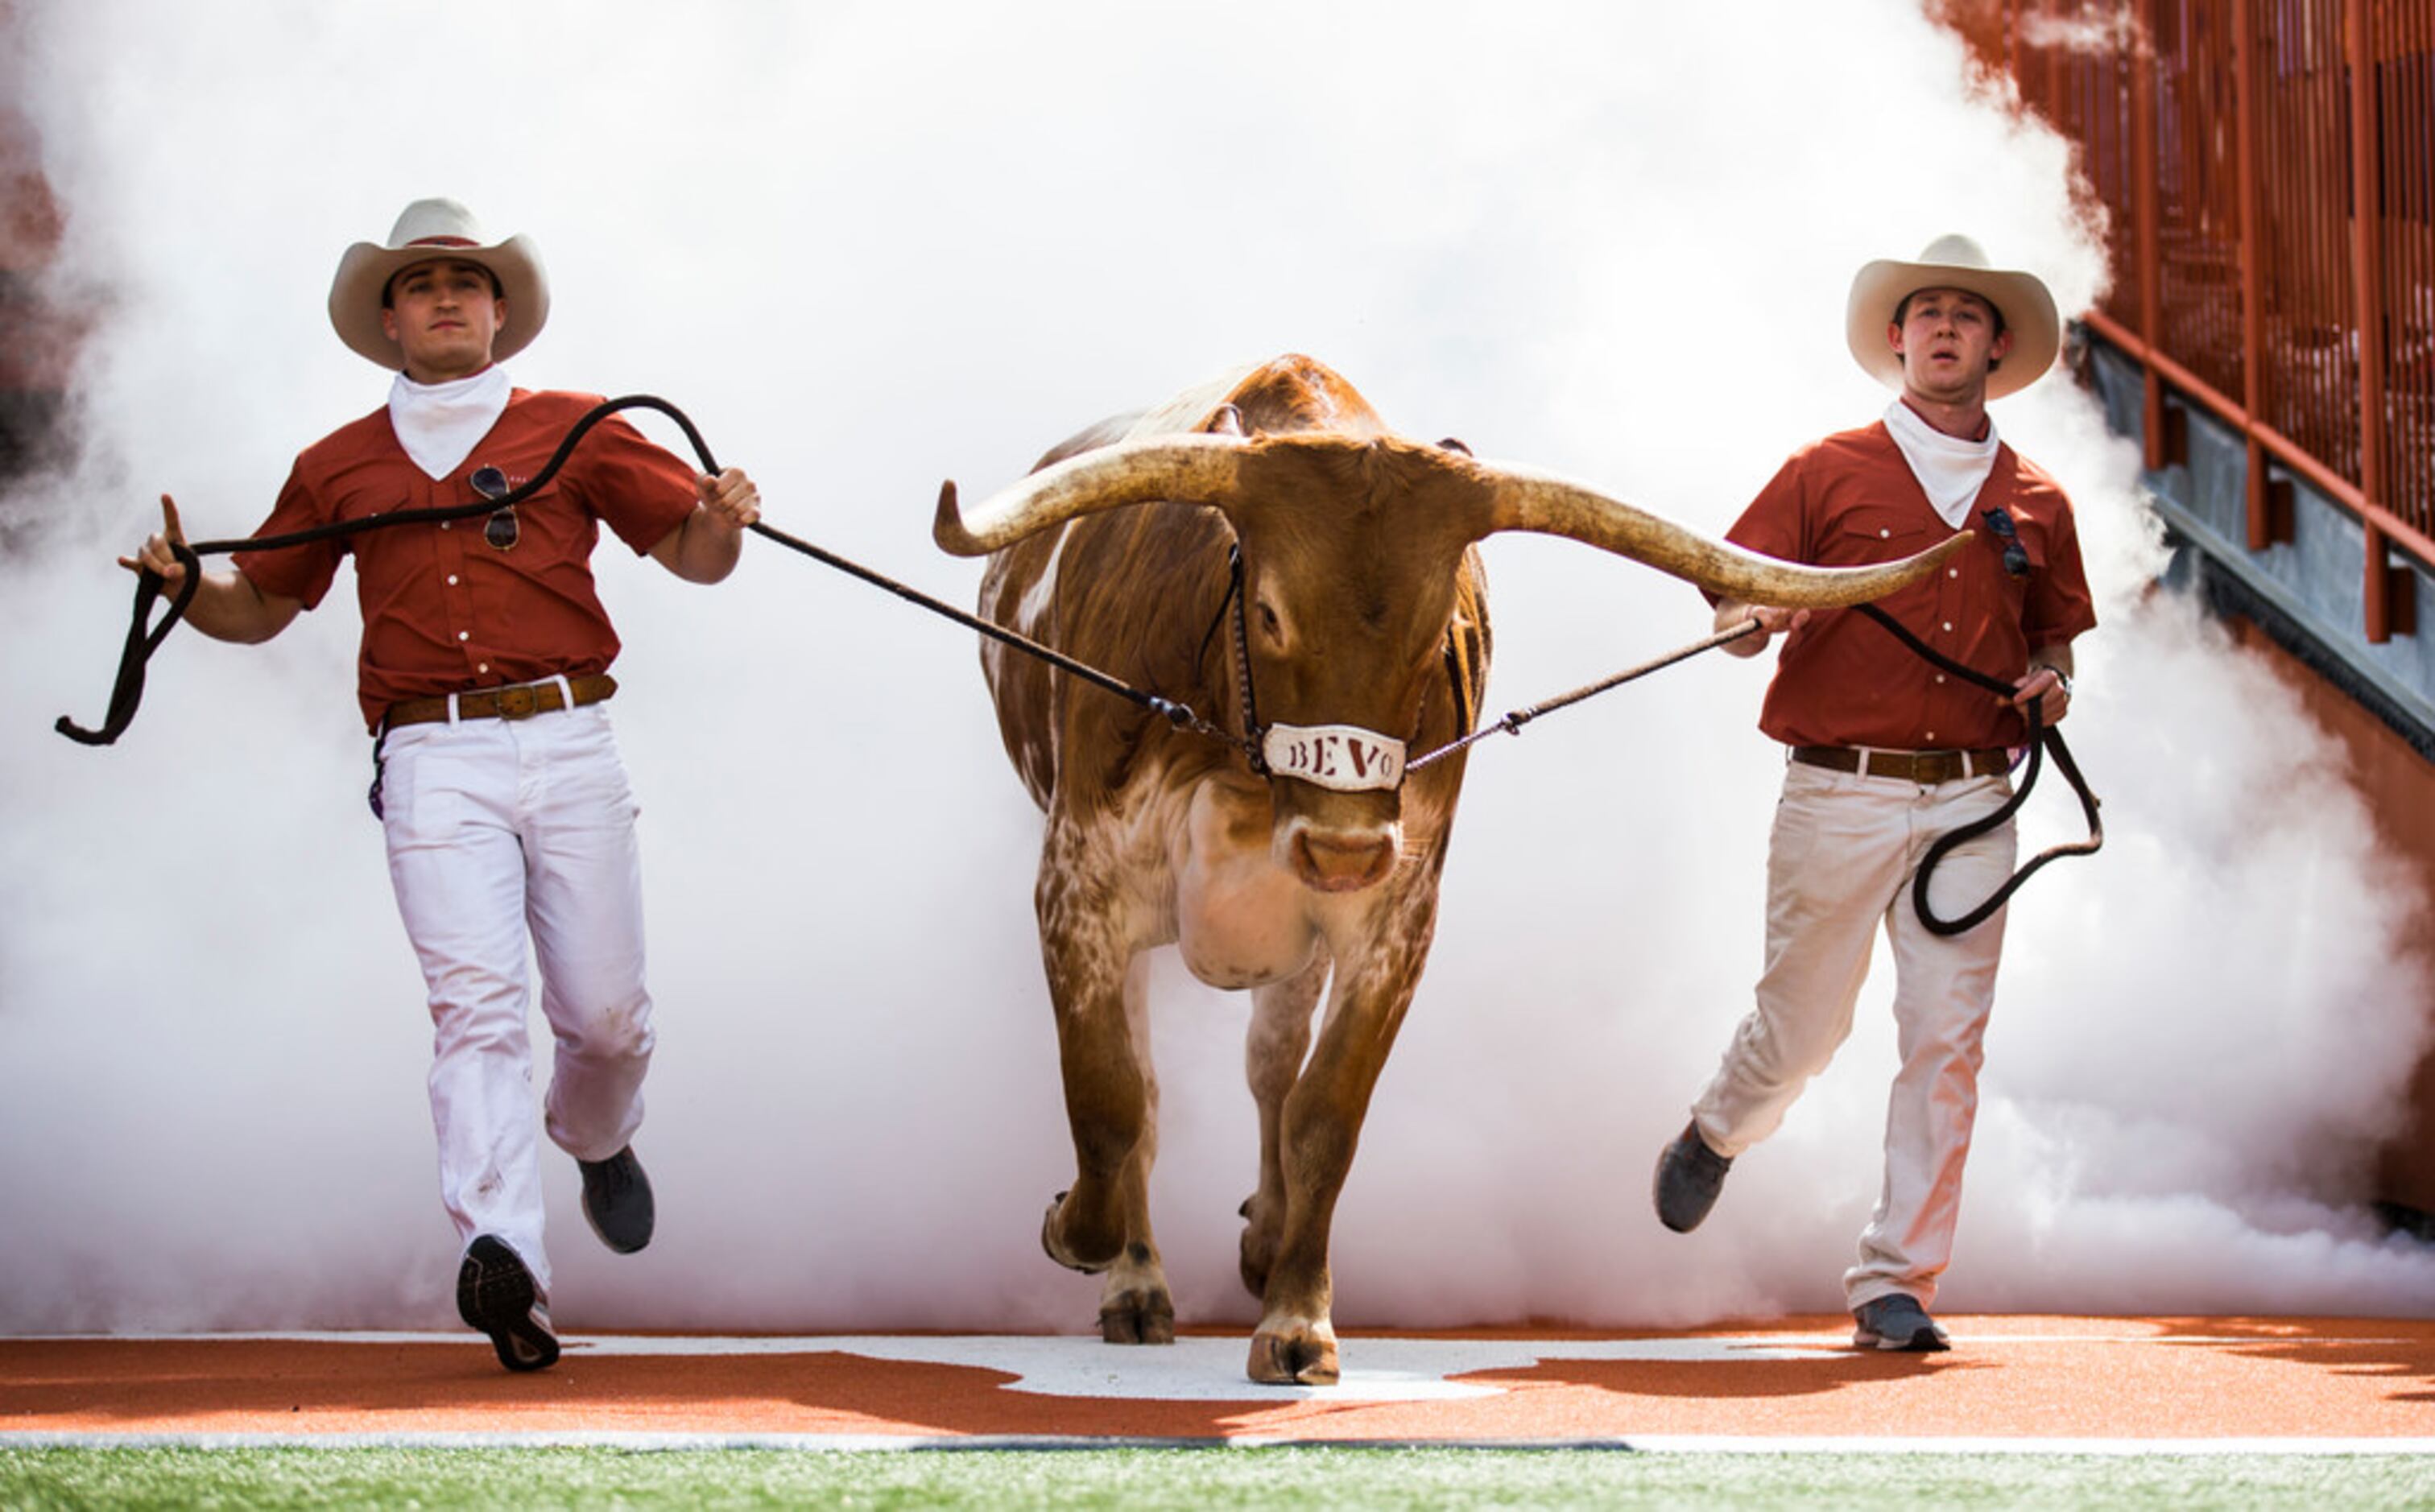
column 1344, row 757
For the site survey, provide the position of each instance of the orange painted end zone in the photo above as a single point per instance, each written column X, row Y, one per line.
column 2058, row 1378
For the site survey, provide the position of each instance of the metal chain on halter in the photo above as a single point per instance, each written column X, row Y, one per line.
column 1252, row 747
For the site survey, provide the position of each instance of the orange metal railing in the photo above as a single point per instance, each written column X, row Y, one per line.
column 2267, row 171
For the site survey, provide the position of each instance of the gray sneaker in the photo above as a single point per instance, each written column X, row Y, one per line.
column 1896, row 1321
column 1689, row 1175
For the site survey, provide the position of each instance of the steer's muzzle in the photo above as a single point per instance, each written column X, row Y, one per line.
column 1329, row 858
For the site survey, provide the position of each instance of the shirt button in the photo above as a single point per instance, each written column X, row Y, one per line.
column 464, row 635
column 481, row 666
column 1931, row 734
column 1885, row 535
column 1939, row 676
column 444, row 524
column 452, row 579
column 1949, row 572
column 1948, row 626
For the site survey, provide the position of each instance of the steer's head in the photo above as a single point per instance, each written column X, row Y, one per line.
column 1351, row 548
column 1351, row 545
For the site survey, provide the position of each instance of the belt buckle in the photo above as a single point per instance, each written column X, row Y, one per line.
column 520, row 702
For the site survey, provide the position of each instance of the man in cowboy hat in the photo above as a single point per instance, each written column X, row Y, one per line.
column 483, row 673
column 1886, row 754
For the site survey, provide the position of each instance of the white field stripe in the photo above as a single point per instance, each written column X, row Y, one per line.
column 1648, row 1444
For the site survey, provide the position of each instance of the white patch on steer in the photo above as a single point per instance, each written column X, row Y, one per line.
column 1346, row 758
column 1086, row 909
column 1031, row 611
column 1241, row 918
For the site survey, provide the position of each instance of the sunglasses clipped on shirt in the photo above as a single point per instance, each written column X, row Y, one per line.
column 1999, row 524
column 501, row 529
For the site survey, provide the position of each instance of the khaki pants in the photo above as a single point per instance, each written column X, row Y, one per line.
column 1839, row 864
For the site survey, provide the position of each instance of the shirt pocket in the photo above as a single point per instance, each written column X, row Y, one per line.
column 547, row 521
column 2034, row 539
column 1878, row 532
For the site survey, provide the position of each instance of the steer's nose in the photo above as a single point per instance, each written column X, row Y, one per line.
column 1343, row 860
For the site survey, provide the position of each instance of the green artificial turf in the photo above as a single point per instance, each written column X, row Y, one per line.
column 1144, row 1480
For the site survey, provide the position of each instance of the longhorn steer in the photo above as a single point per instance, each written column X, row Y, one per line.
column 1362, row 621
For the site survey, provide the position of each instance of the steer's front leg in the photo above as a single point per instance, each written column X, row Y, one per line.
column 1295, row 1344
column 1086, row 950
column 1274, row 1053
column 1135, row 1304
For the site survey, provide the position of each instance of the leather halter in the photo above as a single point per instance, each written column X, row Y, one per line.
column 1365, row 748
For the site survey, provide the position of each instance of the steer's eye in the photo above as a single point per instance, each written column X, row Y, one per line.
column 1270, row 623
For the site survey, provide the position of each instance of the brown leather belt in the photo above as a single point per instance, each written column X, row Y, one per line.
column 1910, row 766
column 520, row 700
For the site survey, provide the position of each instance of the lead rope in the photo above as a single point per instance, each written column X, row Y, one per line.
column 2042, row 740
column 143, row 639
column 1512, row 722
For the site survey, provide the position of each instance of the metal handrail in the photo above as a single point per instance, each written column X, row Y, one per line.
column 2316, row 204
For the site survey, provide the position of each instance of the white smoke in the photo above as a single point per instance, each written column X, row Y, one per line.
column 870, row 247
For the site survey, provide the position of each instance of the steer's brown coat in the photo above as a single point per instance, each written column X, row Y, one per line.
column 1363, row 605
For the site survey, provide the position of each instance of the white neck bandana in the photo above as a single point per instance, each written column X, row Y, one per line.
column 439, row 424
column 1949, row 468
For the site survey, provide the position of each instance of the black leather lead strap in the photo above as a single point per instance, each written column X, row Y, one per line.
column 2042, row 741
column 143, row 639
column 127, row 691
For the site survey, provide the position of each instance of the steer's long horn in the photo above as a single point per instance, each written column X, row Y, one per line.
column 1193, row 468
column 1527, row 500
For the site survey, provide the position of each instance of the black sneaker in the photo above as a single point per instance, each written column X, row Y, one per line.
column 618, row 1201
column 1689, row 1175
column 1896, row 1321
column 496, row 1294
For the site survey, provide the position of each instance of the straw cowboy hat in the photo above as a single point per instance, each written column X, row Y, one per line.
column 1955, row 263
column 429, row 229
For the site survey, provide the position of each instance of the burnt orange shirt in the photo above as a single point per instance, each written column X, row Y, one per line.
column 445, row 612
column 1849, row 500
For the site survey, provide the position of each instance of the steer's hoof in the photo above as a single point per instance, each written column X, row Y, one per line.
column 1297, row 1359
column 1058, row 1251
column 1144, row 1316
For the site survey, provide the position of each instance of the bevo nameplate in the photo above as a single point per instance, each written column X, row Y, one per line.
column 1344, row 757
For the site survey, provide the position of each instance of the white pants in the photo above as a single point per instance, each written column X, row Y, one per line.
column 508, row 837
column 1839, row 862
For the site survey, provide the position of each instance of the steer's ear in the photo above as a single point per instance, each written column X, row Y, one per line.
column 1228, row 420
column 1450, row 444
